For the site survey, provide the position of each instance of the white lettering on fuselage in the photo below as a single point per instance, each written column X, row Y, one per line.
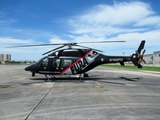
column 115, row 59
column 47, row 72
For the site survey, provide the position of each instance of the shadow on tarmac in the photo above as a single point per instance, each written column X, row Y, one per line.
column 94, row 78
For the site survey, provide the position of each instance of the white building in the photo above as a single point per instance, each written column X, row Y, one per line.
column 156, row 58
column 148, row 58
column 5, row 57
column 153, row 58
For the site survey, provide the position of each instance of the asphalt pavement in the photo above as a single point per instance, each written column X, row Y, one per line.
column 107, row 94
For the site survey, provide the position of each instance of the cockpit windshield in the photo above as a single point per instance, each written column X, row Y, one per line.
column 43, row 62
column 42, row 59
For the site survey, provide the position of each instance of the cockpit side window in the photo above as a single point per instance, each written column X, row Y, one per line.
column 44, row 62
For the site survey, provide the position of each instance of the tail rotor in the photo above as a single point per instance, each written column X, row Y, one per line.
column 137, row 58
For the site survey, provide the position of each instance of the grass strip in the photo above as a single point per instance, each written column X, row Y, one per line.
column 148, row 68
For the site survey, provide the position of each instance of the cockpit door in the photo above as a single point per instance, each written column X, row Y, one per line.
column 55, row 65
column 66, row 64
column 59, row 64
column 44, row 66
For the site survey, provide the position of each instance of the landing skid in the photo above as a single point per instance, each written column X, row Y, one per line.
column 49, row 78
column 53, row 77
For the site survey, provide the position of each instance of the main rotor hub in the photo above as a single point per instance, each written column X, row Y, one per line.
column 70, row 44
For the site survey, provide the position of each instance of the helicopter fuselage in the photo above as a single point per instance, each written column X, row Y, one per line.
column 77, row 61
column 72, row 61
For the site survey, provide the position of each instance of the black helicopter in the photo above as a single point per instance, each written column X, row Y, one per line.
column 72, row 61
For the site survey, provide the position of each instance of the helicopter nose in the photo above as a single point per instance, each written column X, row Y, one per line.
column 30, row 68
column 27, row 68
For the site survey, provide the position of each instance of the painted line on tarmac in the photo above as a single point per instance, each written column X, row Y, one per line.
column 98, row 85
column 39, row 102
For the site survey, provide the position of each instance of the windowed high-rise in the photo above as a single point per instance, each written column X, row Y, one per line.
column 5, row 57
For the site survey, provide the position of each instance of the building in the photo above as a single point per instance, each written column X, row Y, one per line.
column 156, row 58
column 5, row 57
column 153, row 58
column 148, row 58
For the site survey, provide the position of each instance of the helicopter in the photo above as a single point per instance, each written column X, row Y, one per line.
column 73, row 61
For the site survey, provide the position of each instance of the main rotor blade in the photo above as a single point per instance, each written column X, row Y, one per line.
column 35, row 45
column 53, row 50
column 100, row 42
column 66, row 44
column 89, row 48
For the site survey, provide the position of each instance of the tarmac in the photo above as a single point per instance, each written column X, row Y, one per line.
column 107, row 94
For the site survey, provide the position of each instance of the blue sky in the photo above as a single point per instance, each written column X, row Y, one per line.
column 54, row 21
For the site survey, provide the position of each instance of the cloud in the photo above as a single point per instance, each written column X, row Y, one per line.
column 149, row 21
column 3, row 14
column 117, row 14
column 22, row 53
column 13, row 41
column 55, row 39
column 115, row 19
column 130, row 21
column 4, row 20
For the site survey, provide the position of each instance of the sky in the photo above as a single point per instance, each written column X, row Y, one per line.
column 27, row 22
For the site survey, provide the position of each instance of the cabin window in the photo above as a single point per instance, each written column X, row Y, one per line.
column 56, row 63
column 91, row 56
column 66, row 63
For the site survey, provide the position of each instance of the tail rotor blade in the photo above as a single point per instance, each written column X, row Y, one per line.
column 141, row 46
column 144, row 61
column 143, row 52
column 137, row 58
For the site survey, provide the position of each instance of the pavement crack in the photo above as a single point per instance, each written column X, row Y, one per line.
column 39, row 102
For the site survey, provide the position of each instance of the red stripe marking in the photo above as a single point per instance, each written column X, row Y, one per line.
column 75, row 62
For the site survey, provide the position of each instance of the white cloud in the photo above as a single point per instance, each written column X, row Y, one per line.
column 115, row 19
column 3, row 20
column 56, row 39
column 130, row 21
column 116, row 15
column 22, row 53
column 149, row 21
column 13, row 41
